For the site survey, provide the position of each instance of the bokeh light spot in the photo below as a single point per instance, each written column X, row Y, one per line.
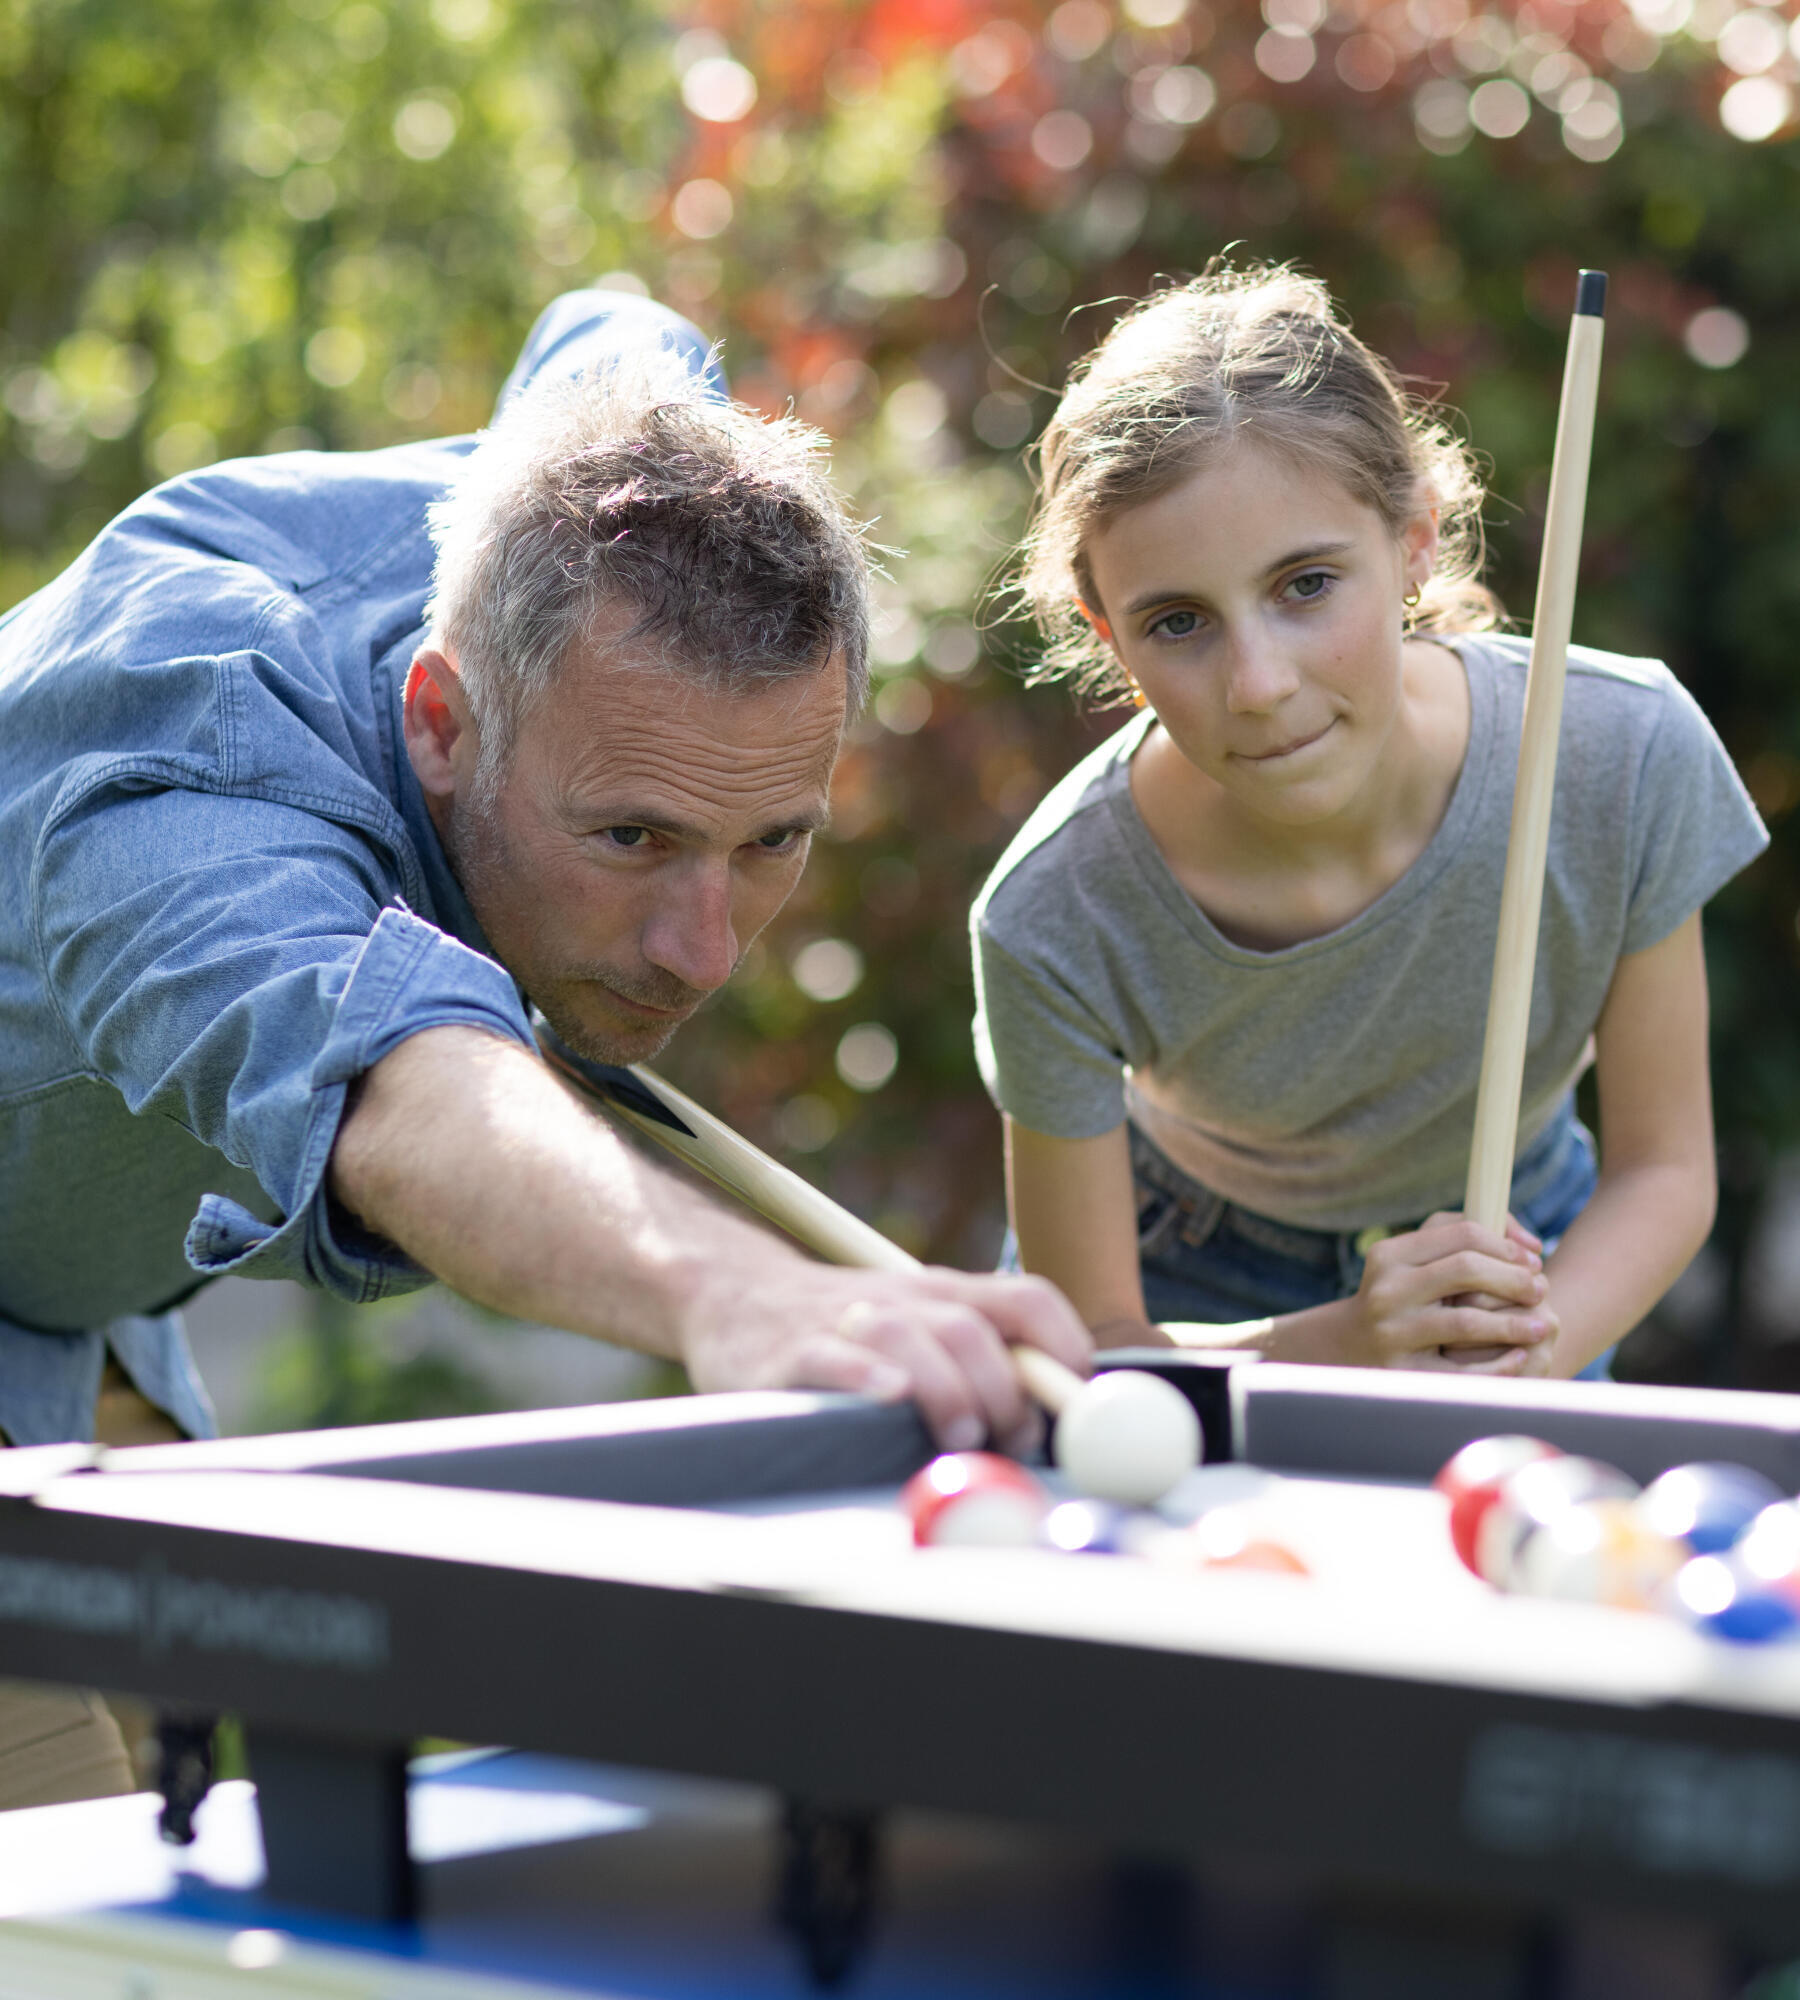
column 1366, row 62
column 1078, row 29
column 335, row 356
column 425, row 125
column 952, row 649
column 1062, row 140
column 702, row 209
column 807, row 1123
column 1441, row 115
column 719, row 90
column 1284, row 55
column 1250, row 131
column 1003, row 419
column 1182, row 95
column 1717, row 337
column 1499, row 108
column 465, row 20
column 916, row 410
column 1756, row 108
column 828, row 969
column 867, row 1056
column 308, row 193
column 1751, row 42
column 903, row 707
column 256, row 1951
column 182, row 448
column 361, row 32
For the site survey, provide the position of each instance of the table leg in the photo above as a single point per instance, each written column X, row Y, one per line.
column 829, row 1863
column 334, row 1825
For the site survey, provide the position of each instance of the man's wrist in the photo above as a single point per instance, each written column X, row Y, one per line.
column 712, row 1259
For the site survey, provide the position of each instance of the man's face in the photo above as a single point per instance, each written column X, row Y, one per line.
column 644, row 832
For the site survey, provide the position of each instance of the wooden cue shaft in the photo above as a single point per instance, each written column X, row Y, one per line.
column 782, row 1197
column 1521, row 898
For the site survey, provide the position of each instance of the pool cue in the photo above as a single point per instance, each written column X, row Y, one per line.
column 643, row 1100
column 1489, row 1189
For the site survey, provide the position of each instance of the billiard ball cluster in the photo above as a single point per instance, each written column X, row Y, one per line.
column 1716, row 1545
column 975, row 1499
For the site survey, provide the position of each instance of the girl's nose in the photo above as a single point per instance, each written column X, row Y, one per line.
column 1259, row 675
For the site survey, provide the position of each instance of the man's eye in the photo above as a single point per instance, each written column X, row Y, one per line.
column 626, row 836
column 775, row 843
column 1177, row 624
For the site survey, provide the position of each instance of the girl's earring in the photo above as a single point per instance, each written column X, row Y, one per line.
column 1411, row 601
column 1139, row 699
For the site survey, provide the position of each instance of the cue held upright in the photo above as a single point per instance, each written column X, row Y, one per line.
column 1489, row 1189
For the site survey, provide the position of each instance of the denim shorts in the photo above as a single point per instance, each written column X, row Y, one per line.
column 1204, row 1258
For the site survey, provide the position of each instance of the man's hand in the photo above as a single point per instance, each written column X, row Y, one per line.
column 462, row 1148
column 939, row 1337
column 1416, row 1307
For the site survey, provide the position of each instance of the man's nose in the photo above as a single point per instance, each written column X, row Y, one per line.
column 691, row 933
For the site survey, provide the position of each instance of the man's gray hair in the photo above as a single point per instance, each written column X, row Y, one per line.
column 632, row 490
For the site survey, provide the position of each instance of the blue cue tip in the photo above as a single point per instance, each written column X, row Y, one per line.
column 1590, row 294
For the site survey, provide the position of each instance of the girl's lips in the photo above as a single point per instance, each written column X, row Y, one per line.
column 1285, row 750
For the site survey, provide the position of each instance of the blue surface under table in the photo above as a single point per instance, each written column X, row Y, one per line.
column 553, row 1875
column 960, row 1773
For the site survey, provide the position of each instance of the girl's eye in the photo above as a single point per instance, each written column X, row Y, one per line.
column 1176, row 625
column 1312, row 583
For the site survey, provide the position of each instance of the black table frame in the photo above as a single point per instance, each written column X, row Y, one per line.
column 339, row 1653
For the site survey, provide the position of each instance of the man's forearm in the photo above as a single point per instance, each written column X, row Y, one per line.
column 463, row 1149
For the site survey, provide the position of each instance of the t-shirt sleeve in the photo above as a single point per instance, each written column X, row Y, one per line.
column 1694, row 826
column 1046, row 1058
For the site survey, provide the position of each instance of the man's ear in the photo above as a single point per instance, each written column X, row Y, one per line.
column 441, row 738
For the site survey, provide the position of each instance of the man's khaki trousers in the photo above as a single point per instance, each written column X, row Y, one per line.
column 58, row 1744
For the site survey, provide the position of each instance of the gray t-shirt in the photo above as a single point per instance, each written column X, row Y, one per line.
column 1332, row 1084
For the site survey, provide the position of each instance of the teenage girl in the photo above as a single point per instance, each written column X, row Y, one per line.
column 1233, row 973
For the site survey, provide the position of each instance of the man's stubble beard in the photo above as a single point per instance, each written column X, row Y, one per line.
column 481, row 858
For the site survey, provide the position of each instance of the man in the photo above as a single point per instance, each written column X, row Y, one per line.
column 296, row 816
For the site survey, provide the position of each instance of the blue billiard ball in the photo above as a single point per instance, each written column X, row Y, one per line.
column 1093, row 1528
column 1706, row 1506
column 1717, row 1594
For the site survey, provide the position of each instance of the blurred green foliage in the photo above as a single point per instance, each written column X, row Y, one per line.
column 238, row 225
column 337, row 1368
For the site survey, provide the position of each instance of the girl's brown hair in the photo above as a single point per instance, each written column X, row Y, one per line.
column 1258, row 353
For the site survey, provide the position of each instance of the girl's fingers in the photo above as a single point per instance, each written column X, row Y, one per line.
column 1470, row 1274
column 1504, row 1362
column 1517, row 1231
column 1476, row 1326
column 1444, row 1235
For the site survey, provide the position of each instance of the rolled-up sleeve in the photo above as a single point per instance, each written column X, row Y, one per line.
column 234, row 965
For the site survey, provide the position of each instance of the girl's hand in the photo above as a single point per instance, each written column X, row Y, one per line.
column 1416, row 1306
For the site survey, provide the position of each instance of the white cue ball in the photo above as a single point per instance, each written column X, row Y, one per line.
column 1128, row 1437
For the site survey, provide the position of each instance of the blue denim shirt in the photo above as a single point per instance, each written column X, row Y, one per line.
column 221, row 896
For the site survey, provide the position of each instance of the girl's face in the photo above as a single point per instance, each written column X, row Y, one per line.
column 1258, row 607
